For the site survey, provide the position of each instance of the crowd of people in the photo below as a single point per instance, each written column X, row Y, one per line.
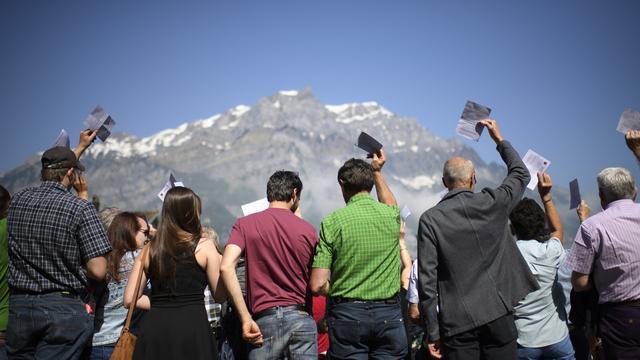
column 492, row 279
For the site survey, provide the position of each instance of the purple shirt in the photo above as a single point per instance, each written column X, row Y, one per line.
column 608, row 245
column 278, row 249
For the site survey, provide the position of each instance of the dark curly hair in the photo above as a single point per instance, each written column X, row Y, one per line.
column 528, row 221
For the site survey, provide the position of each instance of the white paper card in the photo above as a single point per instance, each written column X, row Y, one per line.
column 168, row 186
column 255, row 206
column 62, row 140
column 468, row 126
column 101, row 122
column 629, row 120
column 535, row 164
column 405, row 213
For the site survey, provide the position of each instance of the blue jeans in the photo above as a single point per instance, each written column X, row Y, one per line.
column 289, row 334
column 49, row 326
column 366, row 331
column 562, row 350
column 101, row 352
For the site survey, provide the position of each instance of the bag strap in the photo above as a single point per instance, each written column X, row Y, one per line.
column 132, row 306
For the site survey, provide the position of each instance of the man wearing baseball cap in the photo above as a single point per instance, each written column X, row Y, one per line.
column 56, row 241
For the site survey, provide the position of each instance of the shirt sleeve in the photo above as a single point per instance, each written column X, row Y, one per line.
column 236, row 236
column 412, row 292
column 324, row 250
column 582, row 253
column 556, row 252
column 92, row 238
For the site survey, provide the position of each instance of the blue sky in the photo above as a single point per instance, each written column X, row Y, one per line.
column 557, row 74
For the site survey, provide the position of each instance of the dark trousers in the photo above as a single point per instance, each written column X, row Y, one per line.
column 366, row 331
column 49, row 326
column 495, row 341
column 619, row 328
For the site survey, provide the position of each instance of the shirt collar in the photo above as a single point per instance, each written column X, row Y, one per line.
column 454, row 192
column 54, row 185
column 619, row 203
column 358, row 198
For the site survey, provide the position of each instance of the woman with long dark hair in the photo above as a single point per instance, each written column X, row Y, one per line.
column 180, row 264
column 127, row 233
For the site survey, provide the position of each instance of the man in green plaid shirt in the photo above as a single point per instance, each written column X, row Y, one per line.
column 357, row 263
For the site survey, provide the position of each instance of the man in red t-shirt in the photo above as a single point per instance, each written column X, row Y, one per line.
column 278, row 248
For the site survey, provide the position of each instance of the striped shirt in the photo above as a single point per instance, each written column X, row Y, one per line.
column 608, row 245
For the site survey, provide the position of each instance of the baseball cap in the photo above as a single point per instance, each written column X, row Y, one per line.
column 60, row 157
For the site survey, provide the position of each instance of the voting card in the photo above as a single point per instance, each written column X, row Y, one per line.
column 62, row 140
column 368, row 143
column 168, row 186
column 535, row 164
column 255, row 206
column 469, row 125
column 574, row 190
column 101, row 122
column 629, row 120
column 405, row 213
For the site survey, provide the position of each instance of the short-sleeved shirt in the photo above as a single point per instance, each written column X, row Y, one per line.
column 360, row 245
column 278, row 249
column 52, row 235
column 537, row 316
column 607, row 245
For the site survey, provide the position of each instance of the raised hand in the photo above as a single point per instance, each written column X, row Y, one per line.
column 494, row 131
column 378, row 160
column 583, row 211
column 632, row 139
column 544, row 186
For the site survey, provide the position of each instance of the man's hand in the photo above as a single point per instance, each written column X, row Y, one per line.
column 251, row 333
column 494, row 131
column 544, row 186
column 633, row 142
column 81, row 187
column 435, row 349
column 583, row 211
column 378, row 160
column 86, row 138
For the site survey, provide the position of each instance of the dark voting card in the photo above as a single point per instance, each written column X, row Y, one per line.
column 368, row 143
column 574, row 189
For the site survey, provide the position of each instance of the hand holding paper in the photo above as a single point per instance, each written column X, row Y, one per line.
column 632, row 138
column 544, row 186
column 368, row 144
column 378, row 160
column 629, row 120
column 494, row 131
column 535, row 164
column 583, row 211
column 101, row 122
column 469, row 123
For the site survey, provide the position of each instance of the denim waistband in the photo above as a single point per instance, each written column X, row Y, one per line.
column 274, row 310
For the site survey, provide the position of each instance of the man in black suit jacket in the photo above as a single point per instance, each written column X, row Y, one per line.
column 469, row 264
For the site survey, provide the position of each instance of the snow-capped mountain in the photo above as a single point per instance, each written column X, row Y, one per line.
column 228, row 157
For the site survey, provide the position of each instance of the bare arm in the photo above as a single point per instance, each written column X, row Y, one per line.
column 97, row 268
column 405, row 258
column 143, row 303
column 319, row 283
column 384, row 193
column 580, row 281
column 553, row 218
column 209, row 260
column 250, row 330
column 86, row 138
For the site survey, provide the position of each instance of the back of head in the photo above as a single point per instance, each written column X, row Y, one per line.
column 528, row 221
column 457, row 172
column 122, row 233
column 178, row 233
column 356, row 175
column 56, row 161
column 5, row 198
column 281, row 185
column 616, row 183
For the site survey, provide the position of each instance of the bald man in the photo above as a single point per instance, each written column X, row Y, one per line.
column 469, row 264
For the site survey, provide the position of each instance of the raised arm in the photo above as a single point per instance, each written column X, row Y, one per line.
column 518, row 177
column 86, row 138
column 632, row 138
column 553, row 218
column 384, row 193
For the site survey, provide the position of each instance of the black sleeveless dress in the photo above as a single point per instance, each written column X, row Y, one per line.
column 177, row 327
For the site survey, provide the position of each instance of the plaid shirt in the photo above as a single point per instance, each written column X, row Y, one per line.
column 360, row 243
column 214, row 310
column 52, row 235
